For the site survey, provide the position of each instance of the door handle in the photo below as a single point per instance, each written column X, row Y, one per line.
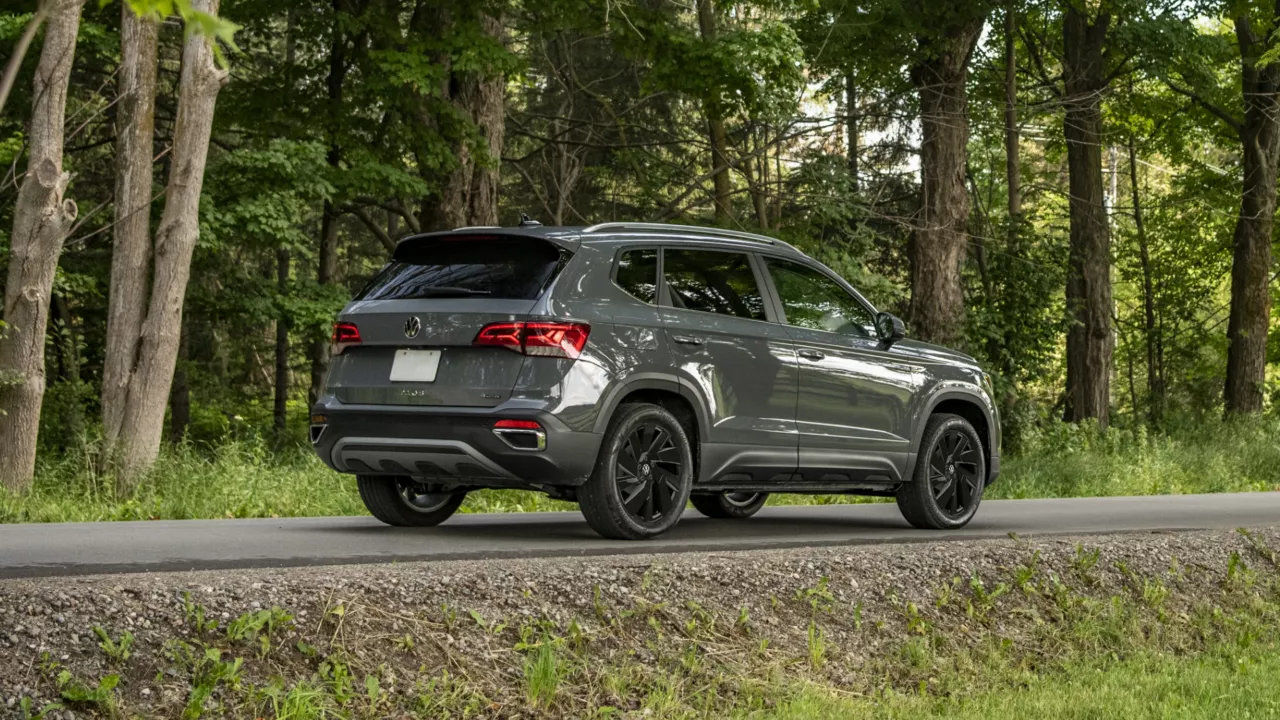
column 811, row 355
column 686, row 340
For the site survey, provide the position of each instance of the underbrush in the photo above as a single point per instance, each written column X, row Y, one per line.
column 245, row 478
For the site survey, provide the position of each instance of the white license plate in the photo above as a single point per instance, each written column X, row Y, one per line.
column 415, row 366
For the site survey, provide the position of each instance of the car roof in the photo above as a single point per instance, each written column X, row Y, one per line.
column 570, row 235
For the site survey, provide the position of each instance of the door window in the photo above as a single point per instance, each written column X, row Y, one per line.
column 812, row 300
column 713, row 281
column 638, row 274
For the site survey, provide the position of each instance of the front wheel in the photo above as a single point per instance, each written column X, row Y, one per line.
column 729, row 504
column 642, row 477
column 950, row 476
column 405, row 502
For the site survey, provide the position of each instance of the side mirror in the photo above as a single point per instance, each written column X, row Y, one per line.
column 890, row 328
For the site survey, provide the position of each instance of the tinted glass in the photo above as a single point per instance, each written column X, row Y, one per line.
column 813, row 300
column 710, row 281
column 497, row 267
column 638, row 274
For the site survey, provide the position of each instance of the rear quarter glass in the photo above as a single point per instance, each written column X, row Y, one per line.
column 514, row 268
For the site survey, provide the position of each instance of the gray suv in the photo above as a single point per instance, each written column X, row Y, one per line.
column 635, row 368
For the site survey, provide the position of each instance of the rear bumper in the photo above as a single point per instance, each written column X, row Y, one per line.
column 452, row 446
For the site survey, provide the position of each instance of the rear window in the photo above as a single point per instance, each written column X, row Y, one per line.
column 497, row 267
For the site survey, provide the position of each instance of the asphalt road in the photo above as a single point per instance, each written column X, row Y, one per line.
column 83, row 548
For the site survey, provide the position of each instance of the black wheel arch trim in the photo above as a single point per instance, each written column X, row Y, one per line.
column 656, row 382
column 972, row 398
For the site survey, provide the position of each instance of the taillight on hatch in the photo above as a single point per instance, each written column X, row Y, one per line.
column 345, row 335
column 545, row 339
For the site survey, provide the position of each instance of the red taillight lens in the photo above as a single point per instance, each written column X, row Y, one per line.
column 546, row 339
column 555, row 339
column 344, row 336
column 517, row 425
column 504, row 334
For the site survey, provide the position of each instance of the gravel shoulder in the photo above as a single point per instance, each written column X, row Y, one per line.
column 443, row 637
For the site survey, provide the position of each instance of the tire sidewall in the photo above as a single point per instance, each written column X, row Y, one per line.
column 606, row 467
column 939, row 518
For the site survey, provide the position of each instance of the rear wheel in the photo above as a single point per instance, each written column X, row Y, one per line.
column 405, row 502
column 950, row 476
column 642, row 478
column 729, row 504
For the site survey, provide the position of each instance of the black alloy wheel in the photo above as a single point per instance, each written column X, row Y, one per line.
column 643, row 475
column 949, row 478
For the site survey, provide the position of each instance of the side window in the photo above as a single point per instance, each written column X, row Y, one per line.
column 637, row 273
column 713, row 281
column 812, row 300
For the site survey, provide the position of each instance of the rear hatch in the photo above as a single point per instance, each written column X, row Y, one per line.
column 416, row 323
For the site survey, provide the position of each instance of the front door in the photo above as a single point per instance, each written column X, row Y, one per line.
column 852, row 413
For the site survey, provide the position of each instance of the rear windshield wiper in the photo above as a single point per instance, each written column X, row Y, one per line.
column 435, row 292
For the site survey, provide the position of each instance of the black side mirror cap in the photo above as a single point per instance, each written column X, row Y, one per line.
column 890, row 328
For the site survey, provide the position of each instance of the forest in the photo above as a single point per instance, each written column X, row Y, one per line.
column 1079, row 193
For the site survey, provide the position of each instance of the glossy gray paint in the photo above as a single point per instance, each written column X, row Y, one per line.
column 776, row 407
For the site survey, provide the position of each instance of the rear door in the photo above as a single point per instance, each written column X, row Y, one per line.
column 718, row 328
column 854, row 399
column 419, row 317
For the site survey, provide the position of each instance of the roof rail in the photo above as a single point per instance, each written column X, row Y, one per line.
column 689, row 229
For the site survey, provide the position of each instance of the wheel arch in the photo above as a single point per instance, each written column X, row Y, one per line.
column 971, row 407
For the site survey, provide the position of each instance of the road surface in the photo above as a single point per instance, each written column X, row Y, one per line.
column 81, row 548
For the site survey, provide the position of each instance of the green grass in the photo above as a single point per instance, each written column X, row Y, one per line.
column 1229, row 682
column 243, row 478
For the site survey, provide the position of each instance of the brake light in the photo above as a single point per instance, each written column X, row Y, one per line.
column 545, row 339
column 517, row 425
column 345, row 335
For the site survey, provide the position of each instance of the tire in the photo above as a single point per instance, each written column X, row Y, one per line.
column 399, row 501
column 950, row 475
column 729, row 505
column 642, row 476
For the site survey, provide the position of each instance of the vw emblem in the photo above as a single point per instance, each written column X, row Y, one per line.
column 412, row 327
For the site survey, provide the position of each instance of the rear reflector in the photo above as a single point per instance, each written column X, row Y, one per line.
column 546, row 339
column 517, row 425
column 345, row 335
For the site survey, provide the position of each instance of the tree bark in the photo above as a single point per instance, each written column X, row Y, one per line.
column 938, row 246
column 1155, row 373
column 42, row 218
column 852, row 130
column 1251, row 263
column 468, row 194
column 180, row 394
column 131, row 255
column 281, row 398
column 1088, row 293
column 715, row 126
column 176, row 238
column 1012, row 162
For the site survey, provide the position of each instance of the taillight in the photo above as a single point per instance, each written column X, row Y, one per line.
column 345, row 335
column 545, row 339
column 517, row 425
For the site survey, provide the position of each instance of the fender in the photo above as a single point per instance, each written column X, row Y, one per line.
column 954, row 393
column 650, row 381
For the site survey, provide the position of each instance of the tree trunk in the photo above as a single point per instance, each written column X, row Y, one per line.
column 1251, row 263
column 42, row 218
column 1012, row 163
column 1088, row 293
column 468, row 194
column 938, row 247
column 1155, row 386
column 180, row 394
column 176, row 237
column 281, row 398
column 715, row 126
column 327, row 262
column 852, row 131
column 131, row 256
